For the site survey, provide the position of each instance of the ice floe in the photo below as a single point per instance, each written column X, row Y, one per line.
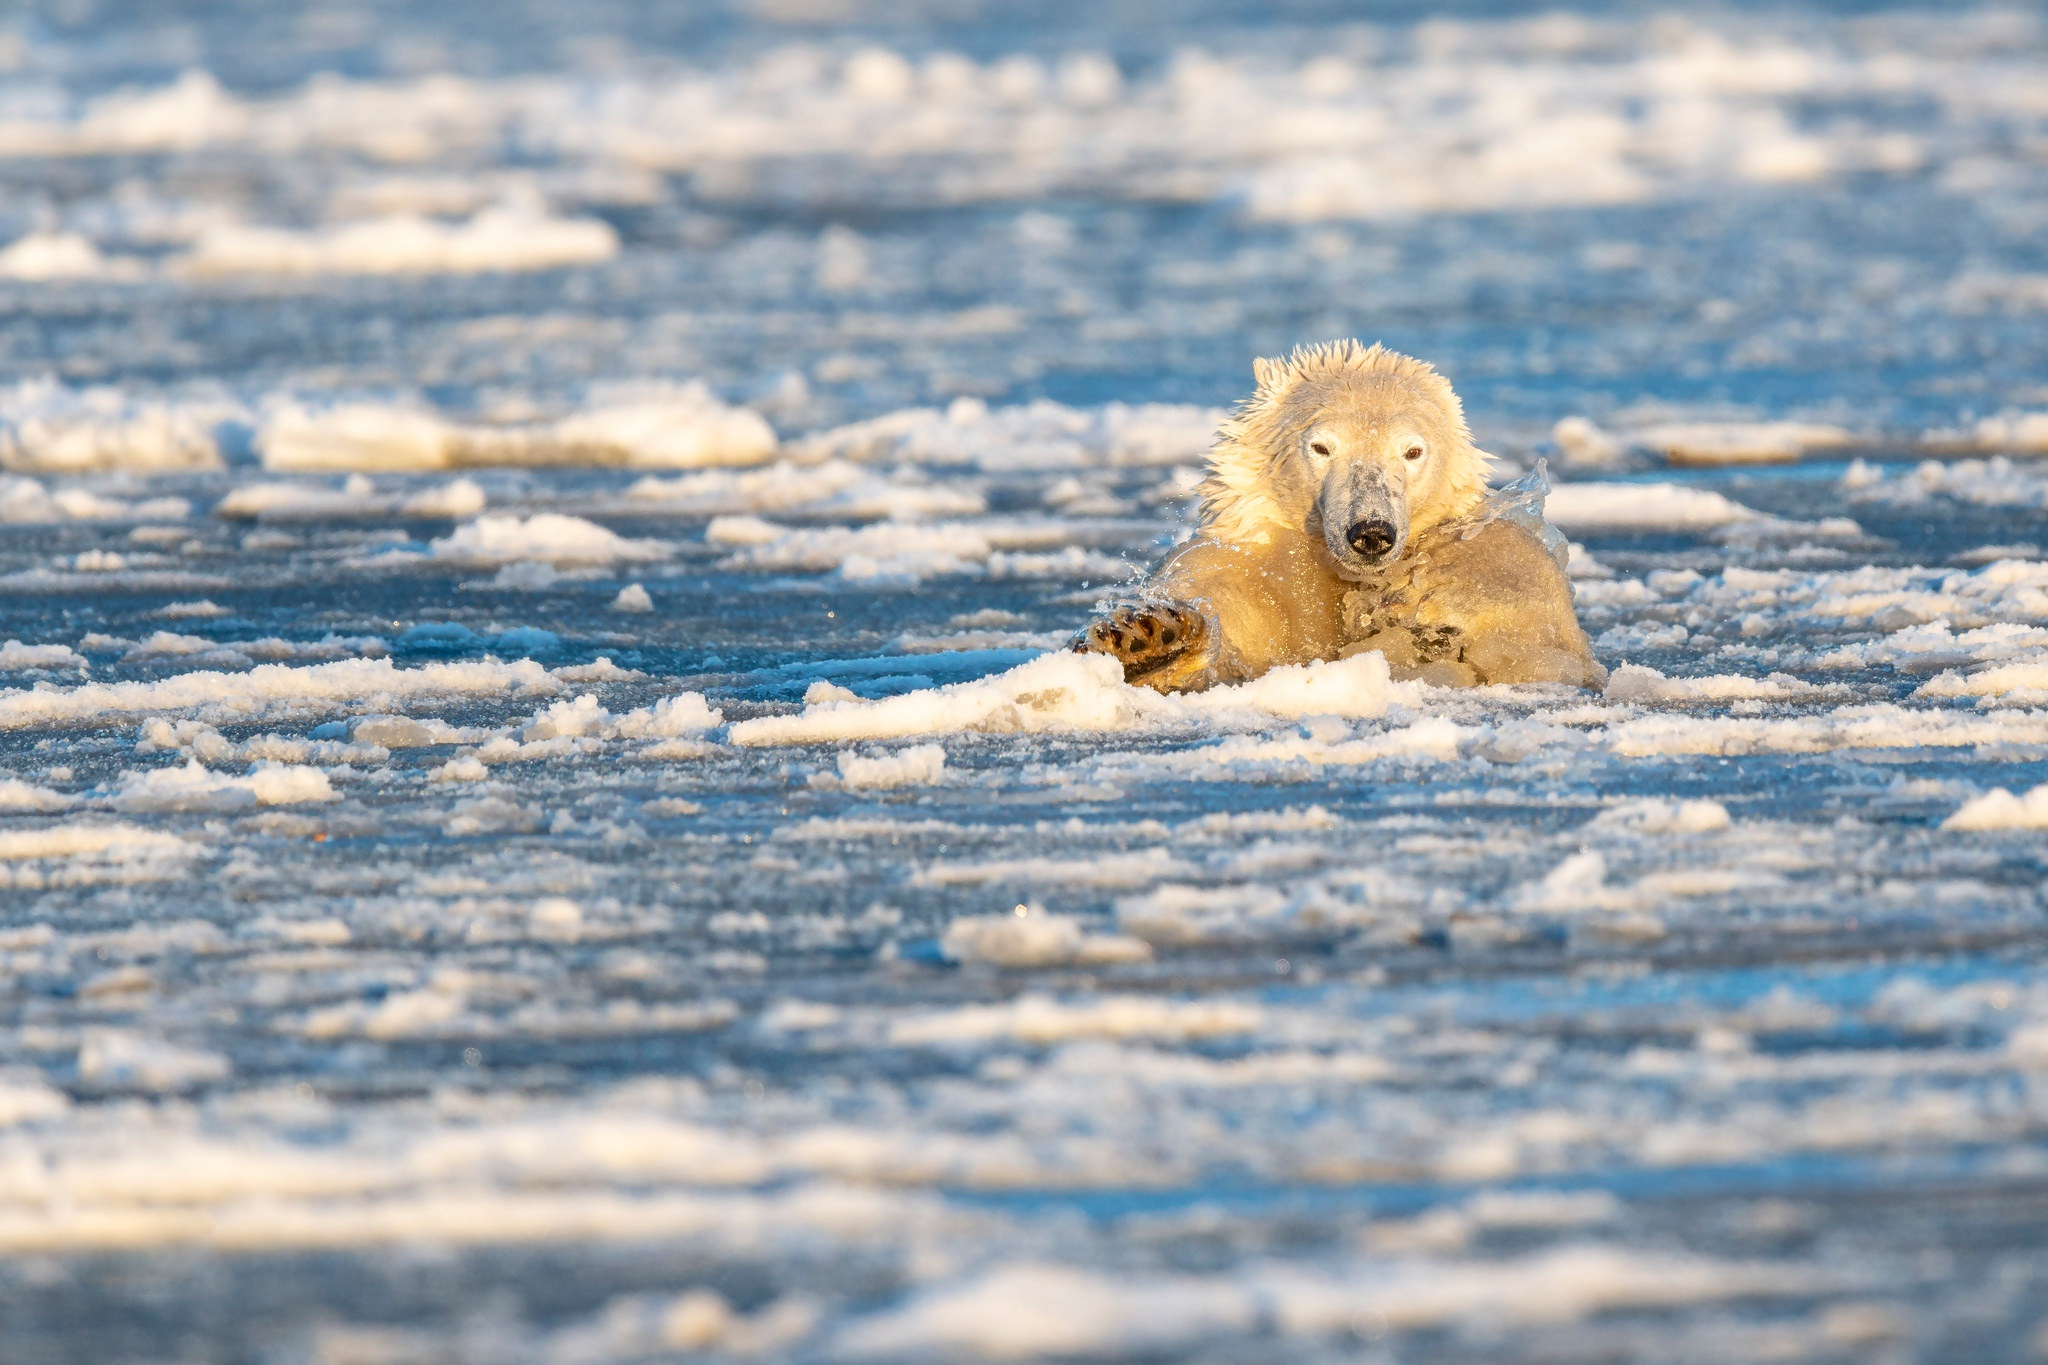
column 48, row 427
column 494, row 239
column 546, row 537
column 643, row 425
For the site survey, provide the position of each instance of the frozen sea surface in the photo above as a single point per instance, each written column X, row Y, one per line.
column 545, row 821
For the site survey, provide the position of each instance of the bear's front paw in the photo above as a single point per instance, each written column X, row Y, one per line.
column 1435, row 644
column 1145, row 636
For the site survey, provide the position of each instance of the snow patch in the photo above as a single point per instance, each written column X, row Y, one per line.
column 1032, row 938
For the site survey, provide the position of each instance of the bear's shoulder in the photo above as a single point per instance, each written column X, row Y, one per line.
column 1507, row 546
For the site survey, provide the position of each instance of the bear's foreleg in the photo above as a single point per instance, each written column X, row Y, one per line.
column 1161, row 643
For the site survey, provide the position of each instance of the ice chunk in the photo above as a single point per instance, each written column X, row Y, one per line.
column 1637, row 683
column 659, row 426
column 1641, row 506
column 835, row 486
column 128, row 1061
column 2000, row 809
column 640, row 425
column 54, row 256
column 1721, row 443
column 1585, row 444
column 358, row 436
column 17, row 795
column 27, row 1097
column 896, row 553
column 404, row 732
column 920, row 765
column 1042, row 1020
column 455, row 499
column 27, row 500
column 633, row 598
column 16, row 657
column 189, row 112
column 2013, row 431
column 1032, row 938
column 2025, row 680
column 1651, row 815
column 467, row 768
column 47, row 427
column 193, row 787
column 89, row 854
column 568, row 719
column 1026, row 1310
column 495, row 239
column 546, row 537
column 1032, row 1311
column 686, row 713
column 75, row 840
column 201, row 609
column 1040, row 435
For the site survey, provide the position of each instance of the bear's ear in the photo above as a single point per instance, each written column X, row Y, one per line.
column 1271, row 374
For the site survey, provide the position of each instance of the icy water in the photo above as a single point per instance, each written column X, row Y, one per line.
column 545, row 820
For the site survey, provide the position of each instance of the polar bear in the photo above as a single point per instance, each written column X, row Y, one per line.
column 1346, row 509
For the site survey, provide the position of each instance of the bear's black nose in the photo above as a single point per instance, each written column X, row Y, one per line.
column 1371, row 539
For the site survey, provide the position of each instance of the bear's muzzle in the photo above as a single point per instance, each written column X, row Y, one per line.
column 1372, row 539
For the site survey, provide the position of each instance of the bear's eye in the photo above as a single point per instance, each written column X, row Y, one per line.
column 1412, row 453
column 1320, row 448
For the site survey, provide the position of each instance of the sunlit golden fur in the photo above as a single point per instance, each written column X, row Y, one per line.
column 1254, row 484
column 1345, row 509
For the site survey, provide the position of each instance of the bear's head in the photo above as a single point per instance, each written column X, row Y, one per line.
column 1358, row 447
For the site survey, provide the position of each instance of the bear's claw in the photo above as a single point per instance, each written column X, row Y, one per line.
column 1144, row 636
